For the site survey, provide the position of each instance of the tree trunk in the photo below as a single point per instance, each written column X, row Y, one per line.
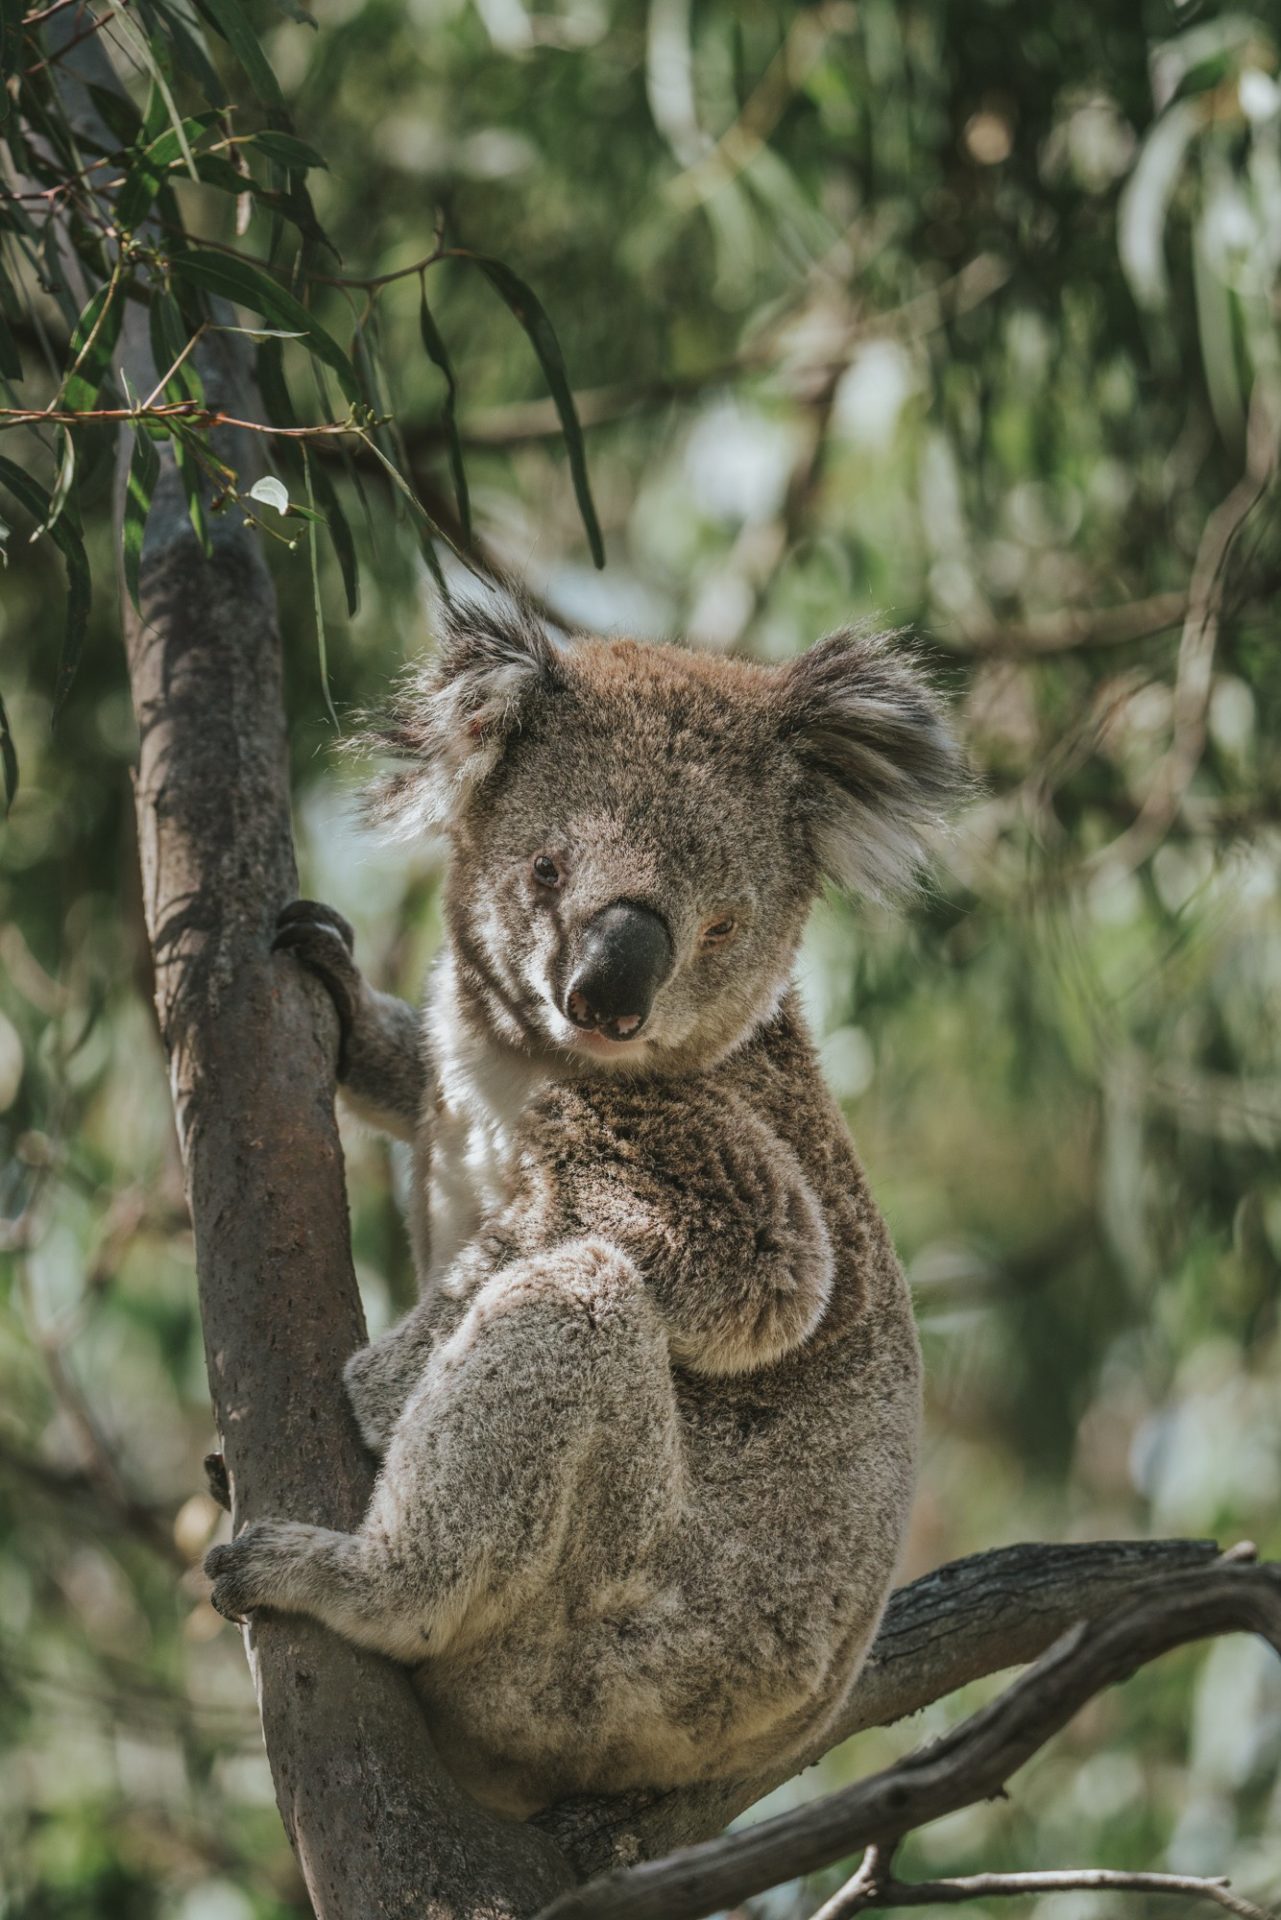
column 377, row 1825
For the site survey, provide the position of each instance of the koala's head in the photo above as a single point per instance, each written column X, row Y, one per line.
column 638, row 832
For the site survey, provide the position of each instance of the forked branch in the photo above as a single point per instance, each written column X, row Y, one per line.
column 874, row 1886
column 970, row 1764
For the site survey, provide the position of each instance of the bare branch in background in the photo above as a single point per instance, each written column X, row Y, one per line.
column 873, row 1886
column 1194, row 679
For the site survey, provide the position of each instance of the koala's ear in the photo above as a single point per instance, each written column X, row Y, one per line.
column 881, row 764
column 456, row 714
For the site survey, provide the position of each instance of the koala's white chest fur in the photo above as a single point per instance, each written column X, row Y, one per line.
column 480, row 1092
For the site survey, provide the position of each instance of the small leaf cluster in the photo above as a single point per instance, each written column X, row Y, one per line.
column 113, row 206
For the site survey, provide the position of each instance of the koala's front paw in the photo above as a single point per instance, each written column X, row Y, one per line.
column 245, row 1572
column 321, row 940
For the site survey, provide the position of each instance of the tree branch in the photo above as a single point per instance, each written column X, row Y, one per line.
column 972, row 1763
column 867, row 1889
column 968, row 1619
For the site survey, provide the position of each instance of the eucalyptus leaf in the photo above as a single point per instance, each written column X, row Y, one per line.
column 271, row 492
column 144, row 471
column 528, row 310
column 230, row 20
column 93, row 342
column 238, row 280
column 438, row 354
column 8, row 759
column 286, row 149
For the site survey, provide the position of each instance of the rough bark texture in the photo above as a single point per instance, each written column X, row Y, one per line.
column 377, row 1826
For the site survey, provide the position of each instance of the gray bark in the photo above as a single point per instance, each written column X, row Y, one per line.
column 377, row 1825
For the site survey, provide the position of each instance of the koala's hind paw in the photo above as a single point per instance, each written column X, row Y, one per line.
column 246, row 1571
column 321, row 940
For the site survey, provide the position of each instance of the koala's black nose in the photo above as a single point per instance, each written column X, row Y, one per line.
column 624, row 956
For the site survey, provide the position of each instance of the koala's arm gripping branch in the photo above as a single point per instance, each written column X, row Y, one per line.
column 382, row 1063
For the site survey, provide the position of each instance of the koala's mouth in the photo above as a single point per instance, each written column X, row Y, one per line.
column 605, row 1047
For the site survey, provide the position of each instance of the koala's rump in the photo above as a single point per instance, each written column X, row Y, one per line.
column 729, row 1645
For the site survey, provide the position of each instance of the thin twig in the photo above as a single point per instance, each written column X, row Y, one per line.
column 165, row 378
column 873, row 1872
column 100, row 21
column 864, row 1891
column 1194, row 679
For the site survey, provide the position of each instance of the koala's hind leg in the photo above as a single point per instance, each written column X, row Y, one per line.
column 544, row 1436
column 348, row 1581
column 542, row 1441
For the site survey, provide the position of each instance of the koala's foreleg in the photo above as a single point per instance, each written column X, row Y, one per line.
column 543, row 1429
column 381, row 1066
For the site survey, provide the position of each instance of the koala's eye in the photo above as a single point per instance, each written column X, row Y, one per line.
column 719, row 931
column 546, row 871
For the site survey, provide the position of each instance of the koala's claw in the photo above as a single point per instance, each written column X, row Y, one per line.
column 227, row 1567
column 245, row 1571
column 313, row 913
column 321, row 940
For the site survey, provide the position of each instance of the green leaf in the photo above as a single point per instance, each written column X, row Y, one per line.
column 169, row 335
column 67, row 539
column 120, row 116
column 314, row 556
column 144, row 471
column 528, row 310
column 10, row 358
column 8, row 759
column 276, row 398
column 228, row 18
column 235, row 279
column 339, row 532
column 284, row 148
column 66, row 477
column 92, row 345
column 189, row 473
column 161, row 106
column 192, row 56
column 293, row 204
column 10, row 59
column 148, row 167
column 438, row 354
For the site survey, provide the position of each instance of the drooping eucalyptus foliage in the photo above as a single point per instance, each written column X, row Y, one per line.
column 96, row 215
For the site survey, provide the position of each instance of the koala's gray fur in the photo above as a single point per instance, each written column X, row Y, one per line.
column 648, row 1439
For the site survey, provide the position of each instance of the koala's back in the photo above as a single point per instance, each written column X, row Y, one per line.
column 728, row 1633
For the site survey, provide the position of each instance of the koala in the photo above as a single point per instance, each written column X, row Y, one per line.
column 647, row 1441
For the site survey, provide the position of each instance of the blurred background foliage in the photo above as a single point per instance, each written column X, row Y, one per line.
column 957, row 314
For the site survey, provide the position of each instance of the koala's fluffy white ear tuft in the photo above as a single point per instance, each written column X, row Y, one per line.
column 883, row 766
column 456, row 713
